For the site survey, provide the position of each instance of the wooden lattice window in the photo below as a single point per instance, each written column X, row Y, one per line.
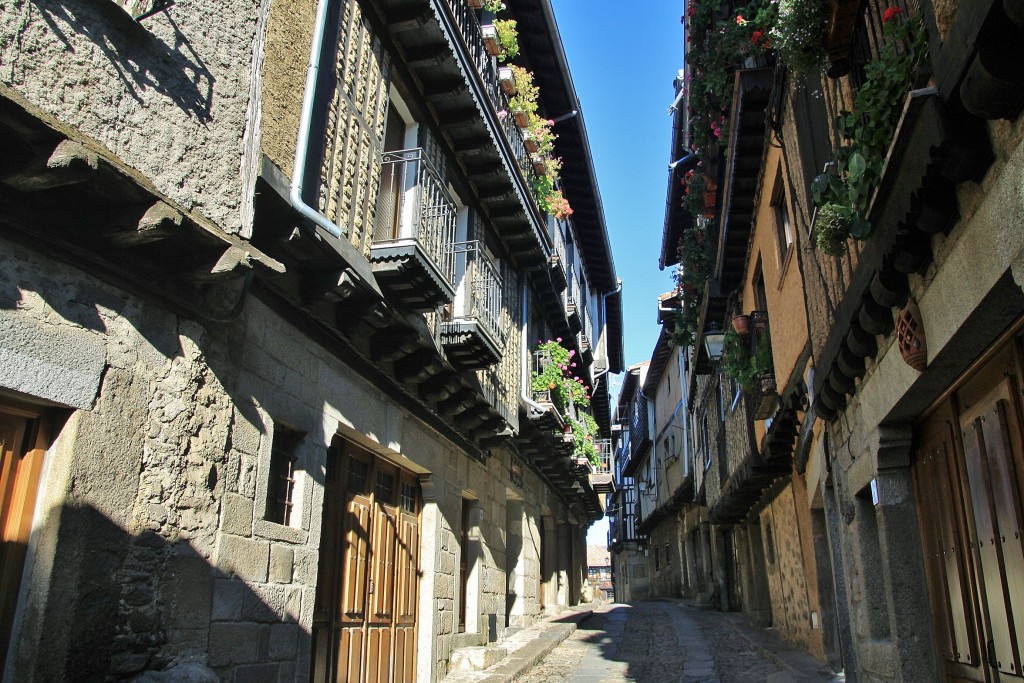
column 355, row 101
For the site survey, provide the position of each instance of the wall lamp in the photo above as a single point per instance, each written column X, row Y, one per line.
column 714, row 342
column 684, row 164
column 565, row 117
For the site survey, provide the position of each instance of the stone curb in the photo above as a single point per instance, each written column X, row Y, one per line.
column 527, row 648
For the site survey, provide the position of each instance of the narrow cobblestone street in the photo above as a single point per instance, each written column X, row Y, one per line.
column 666, row 641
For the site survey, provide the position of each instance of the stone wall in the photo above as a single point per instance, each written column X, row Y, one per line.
column 786, row 569
column 154, row 547
column 666, row 579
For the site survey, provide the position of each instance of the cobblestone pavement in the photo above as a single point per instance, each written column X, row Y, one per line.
column 658, row 642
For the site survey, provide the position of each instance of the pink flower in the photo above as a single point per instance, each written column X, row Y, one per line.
column 572, row 352
column 559, row 340
column 740, row 20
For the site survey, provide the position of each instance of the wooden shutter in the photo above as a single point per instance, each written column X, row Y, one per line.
column 944, row 541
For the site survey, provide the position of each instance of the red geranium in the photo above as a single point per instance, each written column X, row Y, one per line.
column 891, row 13
column 756, row 37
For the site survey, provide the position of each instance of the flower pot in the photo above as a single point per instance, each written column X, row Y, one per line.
column 475, row 4
column 741, row 323
column 521, row 118
column 506, row 80
column 531, row 144
column 540, row 164
column 489, row 33
column 766, row 399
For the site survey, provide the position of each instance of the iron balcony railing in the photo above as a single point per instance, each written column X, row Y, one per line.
column 572, row 295
column 587, row 334
column 868, row 38
column 469, row 25
column 621, row 460
column 481, row 293
column 604, row 452
column 415, row 206
column 558, row 242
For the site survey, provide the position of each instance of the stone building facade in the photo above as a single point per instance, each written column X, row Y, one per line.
column 848, row 504
column 247, row 435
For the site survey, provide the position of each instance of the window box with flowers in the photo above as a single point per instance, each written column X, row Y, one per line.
column 747, row 360
column 843, row 195
column 501, row 39
column 569, row 395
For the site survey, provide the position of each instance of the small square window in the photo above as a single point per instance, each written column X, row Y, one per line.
column 281, row 482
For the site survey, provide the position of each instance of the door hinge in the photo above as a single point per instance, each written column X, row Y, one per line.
column 371, row 586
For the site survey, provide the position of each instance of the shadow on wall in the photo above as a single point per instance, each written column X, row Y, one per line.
column 142, row 61
column 125, row 603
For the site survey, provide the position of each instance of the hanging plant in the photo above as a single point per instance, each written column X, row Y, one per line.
column 799, row 34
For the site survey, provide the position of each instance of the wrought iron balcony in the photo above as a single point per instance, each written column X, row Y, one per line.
column 557, row 259
column 572, row 305
column 413, row 233
column 602, row 478
column 472, row 334
column 469, row 27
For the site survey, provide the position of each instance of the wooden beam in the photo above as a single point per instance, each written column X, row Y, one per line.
column 159, row 222
column 69, row 163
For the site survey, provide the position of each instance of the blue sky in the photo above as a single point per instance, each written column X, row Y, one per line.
column 623, row 57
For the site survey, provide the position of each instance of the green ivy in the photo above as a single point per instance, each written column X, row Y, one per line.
column 740, row 365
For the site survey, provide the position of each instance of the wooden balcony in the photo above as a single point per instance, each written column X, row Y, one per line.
column 411, row 253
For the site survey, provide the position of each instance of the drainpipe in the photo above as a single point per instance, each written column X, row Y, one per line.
column 302, row 145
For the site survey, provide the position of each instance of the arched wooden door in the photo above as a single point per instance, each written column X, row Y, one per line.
column 364, row 627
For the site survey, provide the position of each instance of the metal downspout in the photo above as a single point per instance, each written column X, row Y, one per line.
column 302, row 145
column 524, row 311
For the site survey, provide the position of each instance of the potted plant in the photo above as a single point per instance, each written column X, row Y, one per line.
column 523, row 103
column 741, row 323
column 831, row 229
column 489, row 34
column 736, row 357
column 506, row 79
column 798, row 34
column 501, row 39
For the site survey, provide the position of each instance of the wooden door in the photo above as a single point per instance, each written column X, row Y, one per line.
column 22, row 448
column 969, row 474
column 365, row 618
